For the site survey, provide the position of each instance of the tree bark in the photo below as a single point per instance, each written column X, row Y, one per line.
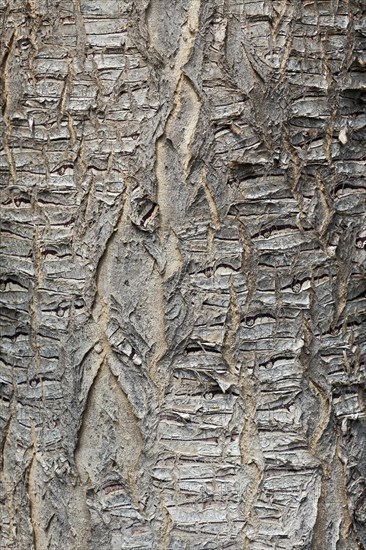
column 183, row 275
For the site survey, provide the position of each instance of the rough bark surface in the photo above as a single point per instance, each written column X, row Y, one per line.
column 183, row 283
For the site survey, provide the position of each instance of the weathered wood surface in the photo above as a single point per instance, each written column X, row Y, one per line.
column 183, row 283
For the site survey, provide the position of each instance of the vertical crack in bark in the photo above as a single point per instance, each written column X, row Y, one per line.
column 215, row 217
column 81, row 34
column 325, row 408
column 167, row 525
column 346, row 525
column 161, row 344
column 180, row 85
column 6, row 95
column 251, row 456
column 228, row 345
column 39, row 542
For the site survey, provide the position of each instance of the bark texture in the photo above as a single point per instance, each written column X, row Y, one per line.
column 183, row 283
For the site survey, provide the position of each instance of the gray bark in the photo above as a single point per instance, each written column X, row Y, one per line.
column 183, row 275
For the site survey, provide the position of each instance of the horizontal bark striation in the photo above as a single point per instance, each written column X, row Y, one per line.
column 183, row 276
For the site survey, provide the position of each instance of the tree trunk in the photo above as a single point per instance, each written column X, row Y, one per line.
column 182, row 288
